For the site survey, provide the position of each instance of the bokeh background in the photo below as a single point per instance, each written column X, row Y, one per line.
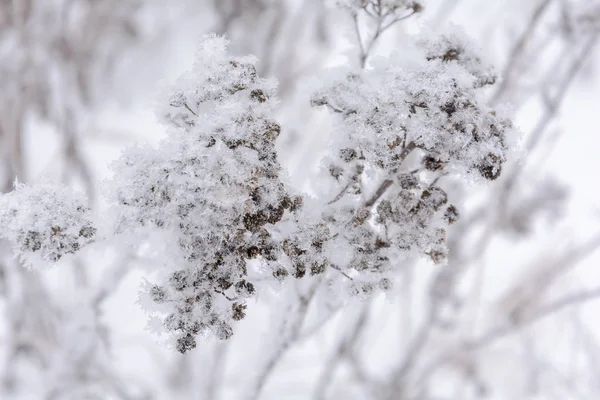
column 79, row 81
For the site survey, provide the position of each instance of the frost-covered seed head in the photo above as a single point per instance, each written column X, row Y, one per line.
column 45, row 222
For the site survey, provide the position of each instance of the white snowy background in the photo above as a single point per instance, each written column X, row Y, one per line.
column 127, row 116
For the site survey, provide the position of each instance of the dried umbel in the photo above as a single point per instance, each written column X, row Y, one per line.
column 452, row 47
column 45, row 221
column 415, row 219
column 216, row 184
column 433, row 107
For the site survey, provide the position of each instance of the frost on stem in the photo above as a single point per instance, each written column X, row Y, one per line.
column 431, row 108
column 382, row 7
column 215, row 183
column 45, row 222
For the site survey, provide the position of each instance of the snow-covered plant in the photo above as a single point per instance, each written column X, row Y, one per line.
column 216, row 188
column 215, row 183
column 45, row 222
column 431, row 109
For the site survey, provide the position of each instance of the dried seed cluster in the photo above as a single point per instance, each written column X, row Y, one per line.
column 45, row 221
column 433, row 107
column 216, row 184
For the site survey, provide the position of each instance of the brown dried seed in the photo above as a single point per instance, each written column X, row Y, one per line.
column 258, row 95
column 300, row 271
column 238, row 311
column 280, row 273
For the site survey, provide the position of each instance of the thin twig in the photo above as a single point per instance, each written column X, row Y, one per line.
column 395, row 20
column 359, row 39
column 351, row 335
column 340, row 271
column 189, row 109
column 385, row 185
column 504, row 330
column 515, row 55
column 551, row 110
column 288, row 336
column 342, row 192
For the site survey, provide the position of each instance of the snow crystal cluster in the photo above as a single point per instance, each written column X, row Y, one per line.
column 215, row 185
column 435, row 106
column 430, row 108
column 45, row 222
